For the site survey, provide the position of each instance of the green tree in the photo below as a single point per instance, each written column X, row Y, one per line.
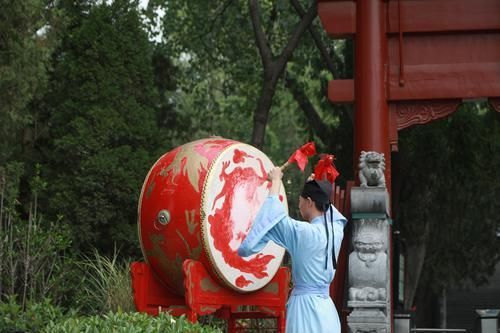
column 221, row 76
column 28, row 35
column 221, row 68
column 448, row 202
column 101, row 110
column 29, row 244
column 216, row 66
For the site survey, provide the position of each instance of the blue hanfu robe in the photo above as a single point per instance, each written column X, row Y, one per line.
column 310, row 308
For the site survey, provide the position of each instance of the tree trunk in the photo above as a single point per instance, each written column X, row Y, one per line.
column 415, row 262
column 273, row 69
column 261, row 114
column 310, row 112
column 427, row 306
column 2, row 191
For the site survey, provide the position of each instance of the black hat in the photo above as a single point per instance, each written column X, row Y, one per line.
column 318, row 190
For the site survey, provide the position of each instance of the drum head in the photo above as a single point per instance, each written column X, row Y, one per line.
column 235, row 189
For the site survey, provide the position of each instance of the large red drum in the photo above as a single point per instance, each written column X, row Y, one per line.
column 198, row 202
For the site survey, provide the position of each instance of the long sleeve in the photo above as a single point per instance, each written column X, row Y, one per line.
column 339, row 222
column 271, row 224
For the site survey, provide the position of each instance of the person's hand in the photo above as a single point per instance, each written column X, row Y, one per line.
column 275, row 174
column 311, row 177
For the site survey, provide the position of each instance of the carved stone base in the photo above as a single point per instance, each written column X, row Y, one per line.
column 367, row 315
column 368, row 320
column 368, row 328
column 367, row 304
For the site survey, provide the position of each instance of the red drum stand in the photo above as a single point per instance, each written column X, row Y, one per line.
column 203, row 295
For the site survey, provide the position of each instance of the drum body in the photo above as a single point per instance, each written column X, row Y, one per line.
column 198, row 202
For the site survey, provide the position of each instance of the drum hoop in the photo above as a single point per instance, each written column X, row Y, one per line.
column 203, row 216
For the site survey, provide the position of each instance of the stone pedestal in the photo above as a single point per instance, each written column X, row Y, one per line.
column 402, row 323
column 369, row 293
column 367, row 320
column 488, row 320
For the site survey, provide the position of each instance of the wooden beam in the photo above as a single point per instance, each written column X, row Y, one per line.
column 341, row 91
column 445, row 81
column 417, row 16
column 429, row 82
column 338, row 18
column 452, row 48
column 444, row 15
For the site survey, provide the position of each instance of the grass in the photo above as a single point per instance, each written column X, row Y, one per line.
column 107, row 285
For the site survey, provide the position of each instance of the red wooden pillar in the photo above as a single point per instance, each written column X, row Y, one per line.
column 371, row 128
column 371, row 124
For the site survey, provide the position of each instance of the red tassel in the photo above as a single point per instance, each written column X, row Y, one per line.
column 302, row 154
column 325, row 169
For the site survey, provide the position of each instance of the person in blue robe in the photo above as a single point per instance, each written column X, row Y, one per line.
column 313, row 247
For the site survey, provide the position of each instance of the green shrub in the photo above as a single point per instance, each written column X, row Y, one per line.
column 34, row 264
column 34, row 318
column 122, row 322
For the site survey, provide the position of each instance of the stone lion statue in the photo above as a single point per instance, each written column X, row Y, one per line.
column 371, row 169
